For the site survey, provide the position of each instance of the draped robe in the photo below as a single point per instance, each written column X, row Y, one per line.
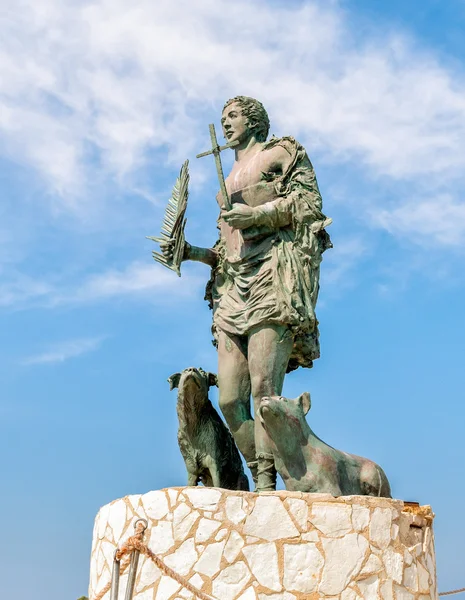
column 269, row 274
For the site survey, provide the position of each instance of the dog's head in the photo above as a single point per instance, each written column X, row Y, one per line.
column 193, row 379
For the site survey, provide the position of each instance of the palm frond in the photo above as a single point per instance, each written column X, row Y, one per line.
column 174, row 222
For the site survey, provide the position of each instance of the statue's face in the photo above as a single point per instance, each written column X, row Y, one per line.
column 234, row 123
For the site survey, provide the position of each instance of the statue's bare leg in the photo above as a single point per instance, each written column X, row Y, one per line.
column 269, row 350
column 234, row 392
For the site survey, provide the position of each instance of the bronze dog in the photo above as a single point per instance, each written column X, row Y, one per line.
column 306, row 463
column 207, row 446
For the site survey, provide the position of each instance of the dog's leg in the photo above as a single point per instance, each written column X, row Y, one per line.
column 192, row 478
column 214, row 472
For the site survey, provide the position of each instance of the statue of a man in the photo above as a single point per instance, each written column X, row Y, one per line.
column 265, row 275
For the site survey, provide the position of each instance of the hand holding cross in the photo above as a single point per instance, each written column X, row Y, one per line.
column 216, row 149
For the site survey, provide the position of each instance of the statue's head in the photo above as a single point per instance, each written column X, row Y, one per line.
column 243, row 115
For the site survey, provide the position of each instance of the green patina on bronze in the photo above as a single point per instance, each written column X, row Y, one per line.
column 265, row 270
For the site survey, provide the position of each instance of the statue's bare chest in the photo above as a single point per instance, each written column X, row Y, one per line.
column 246, row 184
column 249, row 171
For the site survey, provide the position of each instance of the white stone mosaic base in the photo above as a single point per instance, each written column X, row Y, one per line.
column 276, row 546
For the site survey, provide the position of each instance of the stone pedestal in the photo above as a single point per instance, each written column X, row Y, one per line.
column 276, row 545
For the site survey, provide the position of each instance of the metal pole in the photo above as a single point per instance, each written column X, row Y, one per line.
column 115, row 578
column 132, row 575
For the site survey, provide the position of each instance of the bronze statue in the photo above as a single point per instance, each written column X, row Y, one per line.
column 306, row 463
column 265, row 274
column 208, row 449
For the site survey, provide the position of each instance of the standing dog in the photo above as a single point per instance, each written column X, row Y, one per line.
column 207, row 446
column 306, row 463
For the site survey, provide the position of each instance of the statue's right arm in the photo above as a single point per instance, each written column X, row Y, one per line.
column 208, row 256
column 204, row 255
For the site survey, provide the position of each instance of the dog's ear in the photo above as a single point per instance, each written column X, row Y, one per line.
column 174, row 380
column 212, row 380
column 305, row 402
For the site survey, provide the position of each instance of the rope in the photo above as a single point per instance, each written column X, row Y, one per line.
column 452, row 592
column 135, row 543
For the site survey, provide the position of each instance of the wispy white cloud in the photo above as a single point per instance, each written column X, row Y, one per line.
column 150, row 283
column 20, row 290
column 431, row 221
column 114, row 81
column 63, row 351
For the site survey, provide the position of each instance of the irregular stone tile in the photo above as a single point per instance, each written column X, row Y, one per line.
column 93, row 579
column 369, row 587
column 117, row 519
column 166, row 588
column 222, row 533
column 360, row 517
column 387, row 592
column 249, row 594
column 209, row 562
column 173, row 497
column 373, row 565
column 103, row 520
column 269, row 520
column 180, row 512
column 393, row 565
column 263, row 562
column 411, row 578
column 219, row 516
column 299, row 510
column 161, row 537
column 311, row 536
column 380, row 527
column 233, row 546
column 185, row 594
column 147, row 595
column 155, row 504
column 197, row 581
column 250, row 539
column 205, row 529
column 423, row 579
column 332, row 520
column 349, row 594
column 100, row 562
column 302, row 567
column 283, row 596
column 108, row 551
column 95, row 533
column 231, row 581
column 181, row 529
column 134, row 500
column 394, row 531
column 183, row 558
column 234, row 509
column 430, row 563
column 344, row 558
column 203, row 498
column 149, row 574
column 402, row 594
column 408, row 558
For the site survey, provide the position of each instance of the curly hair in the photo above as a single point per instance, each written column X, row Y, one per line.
column 258, row 120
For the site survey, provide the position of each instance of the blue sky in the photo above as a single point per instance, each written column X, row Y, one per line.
column 100, row 103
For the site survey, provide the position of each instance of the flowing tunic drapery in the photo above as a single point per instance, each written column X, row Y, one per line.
column 269, row 274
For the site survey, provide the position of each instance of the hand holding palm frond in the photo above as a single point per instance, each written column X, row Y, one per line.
column 172, row 230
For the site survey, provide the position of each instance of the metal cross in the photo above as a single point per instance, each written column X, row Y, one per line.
column 216, row 149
